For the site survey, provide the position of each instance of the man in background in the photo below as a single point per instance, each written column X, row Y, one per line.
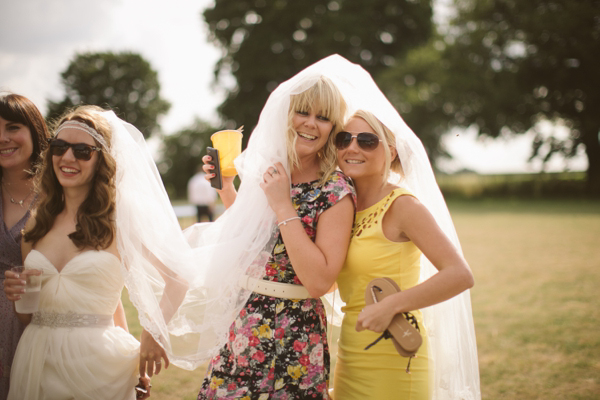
column 202, row 195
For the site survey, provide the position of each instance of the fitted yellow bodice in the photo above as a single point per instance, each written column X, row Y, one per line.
column 377, row 373
column 372, row 255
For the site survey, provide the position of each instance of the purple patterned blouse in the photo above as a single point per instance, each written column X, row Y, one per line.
column 11, row 328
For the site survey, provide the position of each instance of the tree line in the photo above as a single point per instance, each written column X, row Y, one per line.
column 497, row 66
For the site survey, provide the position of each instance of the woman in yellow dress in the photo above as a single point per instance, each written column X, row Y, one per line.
column 402, row 231
column 391, row 231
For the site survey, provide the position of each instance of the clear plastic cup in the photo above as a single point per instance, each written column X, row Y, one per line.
column 229, row 144
column 30, row 300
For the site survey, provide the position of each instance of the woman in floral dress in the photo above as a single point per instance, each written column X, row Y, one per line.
column 277, row 347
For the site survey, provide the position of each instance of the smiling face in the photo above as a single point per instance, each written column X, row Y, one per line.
column 313, row 116
column 358, row 163
column 16, row 146
column 312, row 130
column 70, row 171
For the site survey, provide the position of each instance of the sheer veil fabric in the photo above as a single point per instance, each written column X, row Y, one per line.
column 185, row 284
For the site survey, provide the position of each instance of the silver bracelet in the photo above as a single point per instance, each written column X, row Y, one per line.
column 285, row 221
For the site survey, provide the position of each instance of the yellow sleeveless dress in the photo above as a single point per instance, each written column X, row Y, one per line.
column 380, row 372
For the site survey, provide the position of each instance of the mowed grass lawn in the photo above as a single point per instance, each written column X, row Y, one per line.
column 536, row 300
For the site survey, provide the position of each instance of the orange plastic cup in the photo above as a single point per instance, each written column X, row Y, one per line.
column 229, row 144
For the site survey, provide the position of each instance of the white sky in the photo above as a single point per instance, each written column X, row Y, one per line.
column 39, row 38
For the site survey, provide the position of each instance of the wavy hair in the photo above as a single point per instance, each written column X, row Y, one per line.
column 325, row 95
column 95, row 216
column 389, row 140
column 17, row 108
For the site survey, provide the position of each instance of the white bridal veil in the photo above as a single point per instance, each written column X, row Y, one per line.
column 185, row 285
column 189, row 299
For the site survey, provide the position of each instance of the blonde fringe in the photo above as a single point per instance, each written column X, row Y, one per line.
column 324, row 95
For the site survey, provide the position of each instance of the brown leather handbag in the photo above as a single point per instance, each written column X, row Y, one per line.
column 404, row 328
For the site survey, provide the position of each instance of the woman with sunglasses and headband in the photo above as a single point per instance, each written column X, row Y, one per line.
column 23, row 135
column 77, row 344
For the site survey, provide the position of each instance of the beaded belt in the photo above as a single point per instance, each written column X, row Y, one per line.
column 274, row 289
column 70, row 320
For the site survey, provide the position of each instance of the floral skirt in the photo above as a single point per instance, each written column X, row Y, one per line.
column 277, row 349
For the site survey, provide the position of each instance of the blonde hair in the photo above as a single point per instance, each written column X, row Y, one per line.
column 325, row 95
column 388, row 140
column 95, row 216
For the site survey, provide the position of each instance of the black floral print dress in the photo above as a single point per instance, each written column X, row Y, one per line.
column 277, row 348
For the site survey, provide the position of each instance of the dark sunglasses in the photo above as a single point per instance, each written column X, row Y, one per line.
column 81, row 151
column 366, row 141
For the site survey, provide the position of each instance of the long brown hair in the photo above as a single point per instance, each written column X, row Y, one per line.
column 95, row 216
column 17, row 108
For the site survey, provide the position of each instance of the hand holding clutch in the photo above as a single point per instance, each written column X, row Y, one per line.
column 404, row 329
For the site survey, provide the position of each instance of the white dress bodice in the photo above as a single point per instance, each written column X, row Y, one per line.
column 65, row 353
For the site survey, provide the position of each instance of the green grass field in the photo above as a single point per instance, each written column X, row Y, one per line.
column 536, row 300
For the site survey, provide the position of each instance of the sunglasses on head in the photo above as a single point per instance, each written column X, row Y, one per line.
column 81, row 151
column 366, row 141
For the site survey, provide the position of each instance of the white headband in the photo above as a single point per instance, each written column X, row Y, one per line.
column 82, row 127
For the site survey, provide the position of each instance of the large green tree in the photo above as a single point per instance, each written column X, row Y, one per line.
column 508, row 64
column 181, row 154
column 124, row 82
column 415, row 88
column 265, row 42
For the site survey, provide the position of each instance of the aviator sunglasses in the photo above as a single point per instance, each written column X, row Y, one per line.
column 366, row 141
column 81, row 151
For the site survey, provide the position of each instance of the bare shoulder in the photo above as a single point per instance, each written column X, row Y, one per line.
column 404, row 212
column 406, row 206
column 407, row 213
column 406, row 200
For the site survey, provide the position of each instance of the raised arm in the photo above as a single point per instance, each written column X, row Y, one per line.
column 228, row 194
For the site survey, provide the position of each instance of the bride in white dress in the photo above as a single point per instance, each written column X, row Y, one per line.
column 104, row 218
column 77, row 345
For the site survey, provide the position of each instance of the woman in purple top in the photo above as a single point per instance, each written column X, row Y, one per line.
column 23, row 136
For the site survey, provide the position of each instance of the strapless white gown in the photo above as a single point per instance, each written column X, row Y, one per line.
column 76, row 357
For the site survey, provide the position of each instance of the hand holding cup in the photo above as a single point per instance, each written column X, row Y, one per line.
column 229, row 144
column 22, row 285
